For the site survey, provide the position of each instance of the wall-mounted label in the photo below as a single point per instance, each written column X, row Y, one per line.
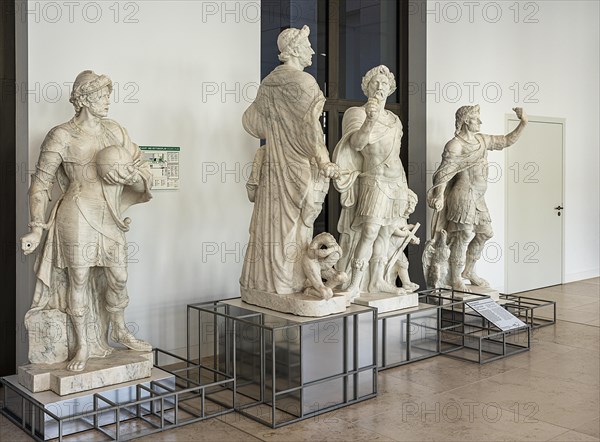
column 164, row 163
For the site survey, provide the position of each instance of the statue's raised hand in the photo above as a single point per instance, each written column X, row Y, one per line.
column 372, row 108
column 521, row 115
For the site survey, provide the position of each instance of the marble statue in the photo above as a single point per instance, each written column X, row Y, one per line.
column 319, row 261
column 82, row 268
column 289, row 180
column 373, row 186
column 458, row 198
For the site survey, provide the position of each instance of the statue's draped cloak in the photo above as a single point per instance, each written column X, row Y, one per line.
column 461, row 205
column 351, row 166
column 286, row 114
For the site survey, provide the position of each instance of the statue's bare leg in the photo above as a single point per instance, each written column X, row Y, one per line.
column 117, row 300
column 473, row 254
column 362, row 253
column 458, row 241
column 377, row 284
column 78, row 309
column 407, row 284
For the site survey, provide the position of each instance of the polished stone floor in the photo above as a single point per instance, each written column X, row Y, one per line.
column 549, row 393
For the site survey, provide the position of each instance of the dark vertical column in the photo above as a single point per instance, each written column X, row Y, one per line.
column 7, row 189
column 417, row 118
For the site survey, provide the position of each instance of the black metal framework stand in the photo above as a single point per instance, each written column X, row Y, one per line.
column 189, row 393
column 533, row 311
column 277, row 368
column 288, row 368
column 443, row 324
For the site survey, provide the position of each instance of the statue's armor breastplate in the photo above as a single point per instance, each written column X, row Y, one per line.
column 79, row 162
column 474, row 178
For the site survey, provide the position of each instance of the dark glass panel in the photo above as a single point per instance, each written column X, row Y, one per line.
column 368, row 37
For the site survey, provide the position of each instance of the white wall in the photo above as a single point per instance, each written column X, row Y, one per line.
column 171, row 62
column 545, row 59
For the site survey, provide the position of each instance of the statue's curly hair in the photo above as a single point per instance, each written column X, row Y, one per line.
column 381, row 69
column 462, row 115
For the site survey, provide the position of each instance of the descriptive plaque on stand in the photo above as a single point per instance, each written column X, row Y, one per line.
column 164, row 164
column 496, row 314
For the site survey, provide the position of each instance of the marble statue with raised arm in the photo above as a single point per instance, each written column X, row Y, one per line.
column 458, row 197
column 82, row 267
column 373, row 186
column 289, row 180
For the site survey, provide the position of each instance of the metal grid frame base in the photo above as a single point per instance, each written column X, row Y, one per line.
column 285, row 365
column 468, row 336
column 443, row 324
column 158, row 405
column 532, row 311
column 413, row 334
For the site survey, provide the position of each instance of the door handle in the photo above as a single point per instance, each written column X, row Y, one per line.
column 558, row 208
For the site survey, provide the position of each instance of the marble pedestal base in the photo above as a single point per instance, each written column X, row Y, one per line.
column 492, row 293
column 118, row 367
column 296, row 303
column 386, row 302
column 77, row 404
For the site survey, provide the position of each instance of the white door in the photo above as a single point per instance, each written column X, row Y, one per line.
column 534, row 205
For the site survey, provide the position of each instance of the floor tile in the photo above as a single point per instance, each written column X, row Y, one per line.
column 569, row 334
column 577, row 365
column 393, row 393
column 591, row 428
column 442, row 373
column 451, row 420
column 209, row 430
column 325, row 427
column 536, row 395
column 573, row 436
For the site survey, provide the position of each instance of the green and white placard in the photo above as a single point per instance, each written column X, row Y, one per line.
column 164, row 163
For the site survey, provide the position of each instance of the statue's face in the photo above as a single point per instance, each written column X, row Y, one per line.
column 473, row 122
column 305, row 52
column 98, row 103
column 379, row 87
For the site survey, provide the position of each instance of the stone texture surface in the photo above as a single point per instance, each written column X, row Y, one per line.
column 492, row 293
column 385, row 302
column 47, row 336
column 296, row 303
column 120, row 366
column 288, row 185
column 101, row 173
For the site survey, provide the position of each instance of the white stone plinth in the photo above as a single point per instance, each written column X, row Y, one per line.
column 492, row 293
column 120, row 366
column 74, row 405
column 386, row 302
column 296, row 303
